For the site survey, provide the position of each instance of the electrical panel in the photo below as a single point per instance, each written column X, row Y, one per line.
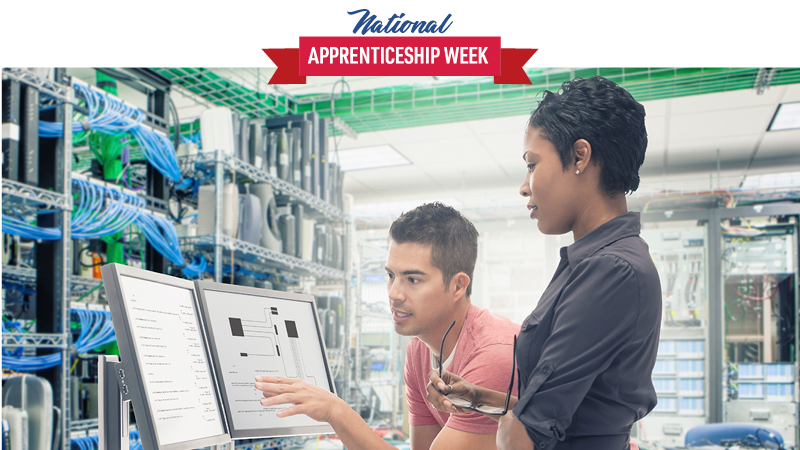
column 680, row 254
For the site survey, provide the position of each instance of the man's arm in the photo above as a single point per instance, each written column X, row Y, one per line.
column 512, row 435
column 354, row 433
column 422, row 436
column 452, row 439
column 322, row 406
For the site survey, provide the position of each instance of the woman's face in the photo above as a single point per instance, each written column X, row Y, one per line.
column 551, row 189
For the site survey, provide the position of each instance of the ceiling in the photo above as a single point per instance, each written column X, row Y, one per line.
column 479, row 164
column 476, row 164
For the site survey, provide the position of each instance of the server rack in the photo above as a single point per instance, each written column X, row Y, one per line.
column 53, row 273
column 717, row 406
column 363, row 382
column 226, row 250
column 52, row 276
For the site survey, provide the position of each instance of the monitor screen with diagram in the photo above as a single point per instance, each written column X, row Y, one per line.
column 261, row 332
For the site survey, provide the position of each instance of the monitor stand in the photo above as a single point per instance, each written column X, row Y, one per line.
column 113, row 420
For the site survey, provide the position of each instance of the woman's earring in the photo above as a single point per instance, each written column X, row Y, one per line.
column 578, row 172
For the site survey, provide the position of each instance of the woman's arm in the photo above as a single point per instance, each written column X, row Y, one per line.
column 476, row 394
column 592, row 323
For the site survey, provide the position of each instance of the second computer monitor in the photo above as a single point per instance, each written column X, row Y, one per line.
column 262, row 332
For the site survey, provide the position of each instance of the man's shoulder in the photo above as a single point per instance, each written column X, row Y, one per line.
column 487, row 328
column 417, row 352
column 415, row 344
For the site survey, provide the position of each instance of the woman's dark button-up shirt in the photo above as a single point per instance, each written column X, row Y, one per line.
column 587, row 351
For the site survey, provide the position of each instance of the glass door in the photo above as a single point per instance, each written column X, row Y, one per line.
column 759, row 295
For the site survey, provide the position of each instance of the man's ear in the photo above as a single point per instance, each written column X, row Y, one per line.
column 459, row 284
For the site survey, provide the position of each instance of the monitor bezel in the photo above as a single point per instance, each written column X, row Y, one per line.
column 321, row 427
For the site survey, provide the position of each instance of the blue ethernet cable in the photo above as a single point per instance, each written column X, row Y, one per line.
column 96, row 327
column 113, row 117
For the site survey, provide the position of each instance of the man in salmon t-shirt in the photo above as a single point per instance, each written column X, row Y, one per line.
column 432, row 254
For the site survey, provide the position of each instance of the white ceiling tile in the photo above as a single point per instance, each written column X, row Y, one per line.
column 653, row 158
column 776, row 144
column 505, row 147
column 724, row 101
column 730, row 147
column 390, row 178
column 656, row 133
column 516, row 124
column 719, row 124
column 655, row 108
column 454, row 177
column 363, row 140
column 426, row 133
column 354, row 187
column 440, row 151
column 792, row 93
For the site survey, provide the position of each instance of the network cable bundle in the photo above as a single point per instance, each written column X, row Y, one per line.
column 32, row 396
column 96, row 330
column 292, row 149
column 99, row 211
column 112, row 117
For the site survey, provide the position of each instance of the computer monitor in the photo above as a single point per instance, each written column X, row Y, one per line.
column 253, row 332
column 166, row 367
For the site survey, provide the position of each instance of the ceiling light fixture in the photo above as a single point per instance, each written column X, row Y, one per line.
column 370, row 158
column 787, row 117
column 772, row 181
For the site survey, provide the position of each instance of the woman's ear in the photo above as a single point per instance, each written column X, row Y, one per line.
column 583, row 155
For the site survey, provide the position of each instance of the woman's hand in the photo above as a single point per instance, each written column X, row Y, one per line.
column 308, row 399
column 449, row 383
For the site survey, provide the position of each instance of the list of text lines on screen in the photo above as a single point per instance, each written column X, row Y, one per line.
column 173, row 361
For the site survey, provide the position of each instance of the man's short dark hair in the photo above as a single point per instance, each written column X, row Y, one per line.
column 453, row 238
column 604, row 114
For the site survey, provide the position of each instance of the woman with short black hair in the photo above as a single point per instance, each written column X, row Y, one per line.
column 586, row 352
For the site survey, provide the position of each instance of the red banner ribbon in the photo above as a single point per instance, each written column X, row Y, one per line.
column 287, row 61
column 399, row 56
column 511, row 62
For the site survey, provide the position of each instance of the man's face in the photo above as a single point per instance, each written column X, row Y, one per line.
column 417, row 296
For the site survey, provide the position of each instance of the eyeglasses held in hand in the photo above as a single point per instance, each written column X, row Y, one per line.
column 463, row 403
